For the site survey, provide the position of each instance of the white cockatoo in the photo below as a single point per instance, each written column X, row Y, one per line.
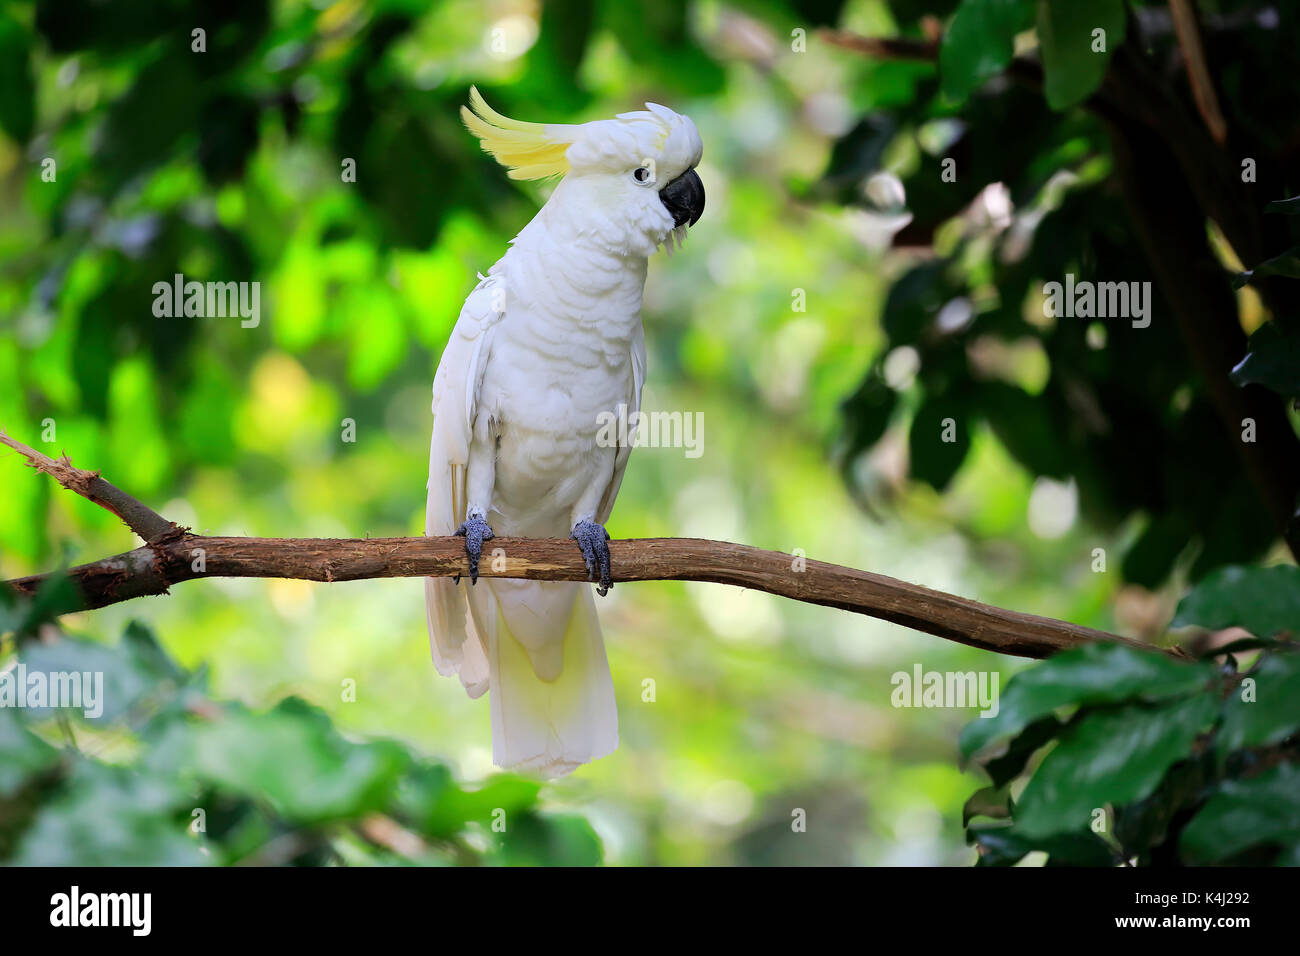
column 547, row 347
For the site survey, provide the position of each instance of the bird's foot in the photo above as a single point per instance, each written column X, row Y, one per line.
column 593, row 540
column 475, row 531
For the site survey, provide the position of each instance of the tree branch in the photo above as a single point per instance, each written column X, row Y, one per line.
column 140, row 518
column 187, row 557
column 177, row 555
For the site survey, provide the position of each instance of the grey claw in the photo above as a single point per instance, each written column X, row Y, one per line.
column 593, row 541
column 475, row 531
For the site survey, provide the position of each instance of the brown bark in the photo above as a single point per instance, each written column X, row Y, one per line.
column 175, row 558
column 173, row 554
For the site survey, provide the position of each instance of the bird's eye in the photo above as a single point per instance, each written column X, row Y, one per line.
column 641, row 174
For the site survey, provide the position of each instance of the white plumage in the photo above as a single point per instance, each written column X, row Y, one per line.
column 549, row 340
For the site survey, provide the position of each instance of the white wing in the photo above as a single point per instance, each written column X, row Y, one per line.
column 456, row 388
column 634, row 408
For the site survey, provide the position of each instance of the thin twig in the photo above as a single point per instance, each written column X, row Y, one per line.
column 1188, row 29
column 883, row 48
column 140, row 518
column 1023, row 69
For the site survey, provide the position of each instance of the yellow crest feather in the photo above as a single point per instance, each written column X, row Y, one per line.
column 527, row 150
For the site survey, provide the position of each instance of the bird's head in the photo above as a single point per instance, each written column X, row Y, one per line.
column 635, row 174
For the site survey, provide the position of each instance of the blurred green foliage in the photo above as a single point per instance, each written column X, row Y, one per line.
column 168, row 776
column 824, row 329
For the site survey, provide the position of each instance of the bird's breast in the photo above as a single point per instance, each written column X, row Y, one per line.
column 551, row 408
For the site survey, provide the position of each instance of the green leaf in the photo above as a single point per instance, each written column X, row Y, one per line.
column 1006, row 767
column 533, row 839
column 1073, row 68
column 1264, row 601
column 994, row 802
column 1288, row 207
column 866, row 415
column 17, row 88
column 1272, row 360
column 147, row 655
column 58, row 591
column 420, row 794
column 1110, row 757
column 913, row 302
column 933, row 459
column 1284, row 264
column 113, row 679
column 1092, row 674
column 1024, row 427
column 980, row 42
column 1151, row 558
column 1007, row 846
column 111, row 816
column 22, row 754
column 1272, row 715
column 1290, row 856
column 290, row 757
column 504, row 793
column 1145, row 823
column 1246, row 813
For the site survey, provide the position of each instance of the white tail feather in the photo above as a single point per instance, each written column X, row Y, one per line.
column 549, row 726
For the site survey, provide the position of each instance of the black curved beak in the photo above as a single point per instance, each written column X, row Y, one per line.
column 684, row 198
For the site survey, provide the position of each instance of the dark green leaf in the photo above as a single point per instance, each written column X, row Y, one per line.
column 855, row 156
column 533, row 839
column 1110, row 757
column 1289, row 207
column 17, row 89
column 1285, row 264
column 979, row 43
column 419, row 795
column 938, row 441
column 57, row 592
column 1272, row 360
column 1092, row 674
column 1244, row 813
column 1007, row 846
column 1073, row 64
column 867, row 413
column 1005, row 768
column 1022, row 424
column 1273, row 711
column 913, row 302
column 994, row 802
column 1264, row 601
column 1151, row 558
column 1145, row 823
